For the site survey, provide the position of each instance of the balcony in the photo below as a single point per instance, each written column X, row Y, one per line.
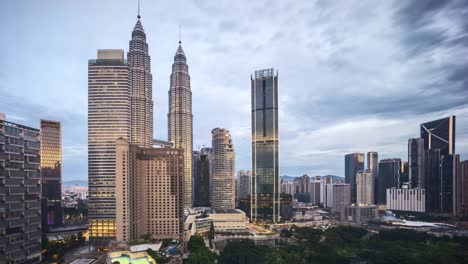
column 2, row 138
column 15, row 206
column 34, row 235
column 34, row 220
column 15, row 223
column 34, row 205
column 2, row 156
column 31, row 182
column 34, row 189
column 15, row 190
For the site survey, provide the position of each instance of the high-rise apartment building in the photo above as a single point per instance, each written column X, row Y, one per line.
column 461, row 187
column 416, row 162
column 265, row 198
column 222, row 179
column 20, row 193
column 180, row 118
column 149, row 191
column 365, row 187
column 204, row 167
column 354, row 162
column 327, row 191
column 341, row 197
column 389, row 177
column 373, row 165
column 243, row 179
column 315, row 190
column 141, row 92
column 439, row 134
column 51, row 174
column 109, row 118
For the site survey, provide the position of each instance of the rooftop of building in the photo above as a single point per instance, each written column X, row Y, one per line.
column 227, row 211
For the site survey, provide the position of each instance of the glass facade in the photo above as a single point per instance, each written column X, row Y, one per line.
column 354, row 162
column 265, row 198
column 51, row 173
column 439, row 134
column 389, row 177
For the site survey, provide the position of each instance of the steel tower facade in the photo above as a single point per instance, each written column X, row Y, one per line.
column 180, row 118
column 141, row 82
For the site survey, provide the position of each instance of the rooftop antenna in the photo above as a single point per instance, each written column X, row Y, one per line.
column 180, row 34
column 138, row 10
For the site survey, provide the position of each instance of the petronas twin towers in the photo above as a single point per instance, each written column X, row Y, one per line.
column 120, row 106
column 180, row 118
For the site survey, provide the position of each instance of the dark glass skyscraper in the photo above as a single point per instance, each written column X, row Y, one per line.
column 439, row 134
column 202, row 169
column 389, row 177
column 440, row 168
column 354, row 162
column 51, row 173
column 416, row 162
column 265, row 194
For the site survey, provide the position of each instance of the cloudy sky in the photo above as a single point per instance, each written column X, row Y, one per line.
column 354, row 76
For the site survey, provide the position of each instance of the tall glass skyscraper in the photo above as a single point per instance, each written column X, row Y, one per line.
column 180, row 118
column 141, row 82
column 265, row 194
column 108, row 119
column 439, row 134
column 416, row 162
column 354, row 162
column 51, row 173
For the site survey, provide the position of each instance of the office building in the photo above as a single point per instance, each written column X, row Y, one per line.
column 20, row 193
column 327, row 191
column 149, row 191
column 360, row 214
column 354, row 162
column 389, row 177
column 222, row 180
column 373, row 165
column 243, row 179
column 204, row 167
column 404, row 173
column 108, row 119
column 439, row 134
column 51, row 174
column 141, row 93
column 405, row 199
column 365, row 187
column 265, row 198
column 341, row 197
column 461, row 187
column 180, row 118
column 315, row 190
column 416, row 162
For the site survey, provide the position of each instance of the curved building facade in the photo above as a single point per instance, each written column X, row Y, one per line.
column 222, row 179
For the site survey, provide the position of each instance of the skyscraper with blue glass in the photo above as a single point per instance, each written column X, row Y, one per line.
column 265, row 194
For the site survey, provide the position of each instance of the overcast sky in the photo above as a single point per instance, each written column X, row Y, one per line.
column 354, row 76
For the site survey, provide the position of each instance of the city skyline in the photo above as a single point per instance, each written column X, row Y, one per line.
column 380, row 125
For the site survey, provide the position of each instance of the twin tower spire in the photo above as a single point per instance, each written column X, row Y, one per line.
column 180, row 118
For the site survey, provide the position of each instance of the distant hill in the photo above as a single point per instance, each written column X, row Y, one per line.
column 291, row 178
column 75, row 182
